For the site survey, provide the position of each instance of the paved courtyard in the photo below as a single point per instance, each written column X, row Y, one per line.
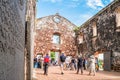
column 54, row 74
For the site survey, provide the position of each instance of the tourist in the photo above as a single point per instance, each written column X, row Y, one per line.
column 73, row 67
column 62, row 60
column 42, row 61
column 67, row 62
column 80, row 64
column 39, row 63
column 46, row 64
column 85, row 63
column 96, row 64
column 35, row 62
column 92, row 65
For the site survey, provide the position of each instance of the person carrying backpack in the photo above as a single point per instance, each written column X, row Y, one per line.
column 62, row 60
column 80, row 64
column 46, row 63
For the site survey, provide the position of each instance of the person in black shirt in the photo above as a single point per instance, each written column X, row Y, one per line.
column 80, row 64
column 62, row 60
column 73, row 63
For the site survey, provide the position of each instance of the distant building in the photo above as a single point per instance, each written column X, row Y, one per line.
column 101, row 35
column 54, row 35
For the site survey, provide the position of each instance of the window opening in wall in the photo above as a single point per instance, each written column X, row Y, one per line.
column 80, row 39
column 56, row 38
column 56, row 19
column 94, row 29
column 117, row 17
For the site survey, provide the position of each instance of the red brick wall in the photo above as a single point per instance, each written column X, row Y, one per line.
column 46, row 27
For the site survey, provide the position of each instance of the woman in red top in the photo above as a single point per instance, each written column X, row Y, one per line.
column 46, row 62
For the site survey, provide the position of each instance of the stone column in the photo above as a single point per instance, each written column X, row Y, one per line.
column 12, row 39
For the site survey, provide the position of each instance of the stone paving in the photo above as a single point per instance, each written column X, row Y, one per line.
column 54, row 74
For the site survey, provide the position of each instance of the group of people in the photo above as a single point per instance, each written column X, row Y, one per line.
column 37, row 62
column 42, row 62
column 77, row 63
column 71, row 63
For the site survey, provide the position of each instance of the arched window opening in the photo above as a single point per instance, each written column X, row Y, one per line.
column 117, row 11
column 81, row 38
column 56, row 38
column 94, row 29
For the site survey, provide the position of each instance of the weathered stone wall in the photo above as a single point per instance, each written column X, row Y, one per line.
column 46, row 27
column 108, row 35
column 12, row 36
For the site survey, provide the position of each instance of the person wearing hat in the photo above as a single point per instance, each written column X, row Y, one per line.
column 92, row 65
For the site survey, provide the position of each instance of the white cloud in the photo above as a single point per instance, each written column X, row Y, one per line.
column 82, row 18
column 52, row 1
column 95, row 3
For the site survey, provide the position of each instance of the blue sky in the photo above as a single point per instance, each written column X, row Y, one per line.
column 76, row 11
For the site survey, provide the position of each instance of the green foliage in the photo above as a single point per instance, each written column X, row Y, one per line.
column 52, row 54
column 52, row 59
column 76, row 29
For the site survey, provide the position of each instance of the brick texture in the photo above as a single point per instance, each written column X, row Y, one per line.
column 45, row 29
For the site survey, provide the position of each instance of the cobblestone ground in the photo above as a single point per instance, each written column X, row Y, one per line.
column 54, row 74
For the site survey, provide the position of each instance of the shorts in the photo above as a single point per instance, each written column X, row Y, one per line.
column 61, row 64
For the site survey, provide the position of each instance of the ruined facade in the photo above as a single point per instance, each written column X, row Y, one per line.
column 12, row 39
column 101, row 34
column 54, row 34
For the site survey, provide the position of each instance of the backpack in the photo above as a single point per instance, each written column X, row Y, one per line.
column 80, row 61
column 62, row 58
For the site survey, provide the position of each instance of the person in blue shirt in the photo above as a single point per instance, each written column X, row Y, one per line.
column 62, row 60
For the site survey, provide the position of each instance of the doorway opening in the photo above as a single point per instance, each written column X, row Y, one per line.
column 99, row 60
column 54, row 55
